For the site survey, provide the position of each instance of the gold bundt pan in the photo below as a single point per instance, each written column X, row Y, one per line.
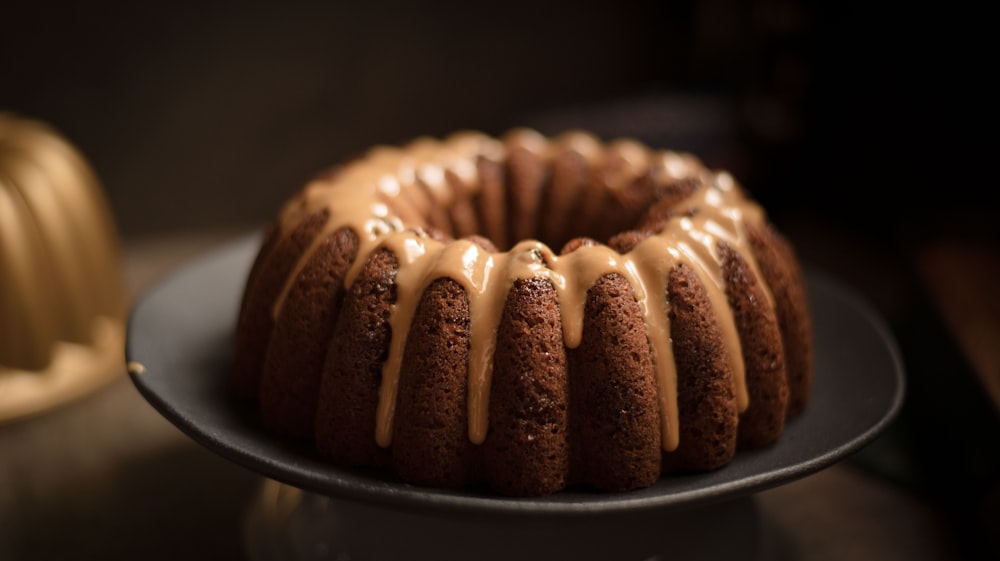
column 62, row 298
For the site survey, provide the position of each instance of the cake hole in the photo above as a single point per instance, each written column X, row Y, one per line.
column 554, row 201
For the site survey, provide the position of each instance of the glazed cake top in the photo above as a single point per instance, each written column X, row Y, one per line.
column 387, row 198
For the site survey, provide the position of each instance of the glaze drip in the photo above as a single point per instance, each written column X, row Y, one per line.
column 393, row 197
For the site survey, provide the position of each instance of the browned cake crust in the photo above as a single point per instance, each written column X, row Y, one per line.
column 352, row 375
column 278, row 256
column 613, row 407
column 706, row 400
column 430, row 439
column 438, row 216
column 293, row 364
column 464, row 219
column 527, row 450
column 571, row 397
column 627, row 205
column 780, row 269
column 589, row 218
column 492, row 203
column 668, row 203
column 569, row 171
column 763, row 355
column 526, row 177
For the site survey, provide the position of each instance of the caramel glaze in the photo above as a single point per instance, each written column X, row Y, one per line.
column 687, row 231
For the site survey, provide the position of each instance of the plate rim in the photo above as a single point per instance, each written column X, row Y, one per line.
column 366, row 486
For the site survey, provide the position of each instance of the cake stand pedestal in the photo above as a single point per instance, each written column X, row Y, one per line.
column 288, row 524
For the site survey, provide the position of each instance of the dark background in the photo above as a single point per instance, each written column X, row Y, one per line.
column 195, row 112
column 866, row 129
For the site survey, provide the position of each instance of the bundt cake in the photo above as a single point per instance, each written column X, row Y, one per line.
column 62, row 295
column 407, row 311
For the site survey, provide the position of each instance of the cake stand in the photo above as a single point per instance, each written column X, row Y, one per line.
column 179, row 347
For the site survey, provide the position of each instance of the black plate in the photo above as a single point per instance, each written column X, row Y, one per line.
column 181, row 333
